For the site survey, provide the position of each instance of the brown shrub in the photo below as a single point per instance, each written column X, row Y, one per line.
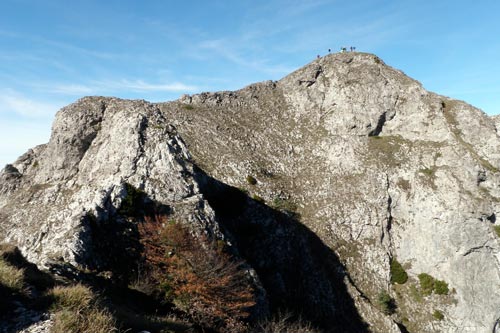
column 197, row 275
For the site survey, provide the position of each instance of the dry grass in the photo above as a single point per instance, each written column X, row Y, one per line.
column 77, row 311
column 284, row 323
column 10, row 276
column 92, row 320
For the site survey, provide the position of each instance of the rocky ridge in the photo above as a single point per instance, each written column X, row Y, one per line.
column 359, row 165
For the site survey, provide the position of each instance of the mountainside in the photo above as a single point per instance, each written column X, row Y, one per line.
column 355, row 198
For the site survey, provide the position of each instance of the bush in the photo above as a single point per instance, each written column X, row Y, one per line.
column 441, row 287
column 197, row 275
column 385, row 302
column 438, row 315
column 251, row 180
column 398, row 273
column 10, row 276
column 132, row 203
column 426, row 283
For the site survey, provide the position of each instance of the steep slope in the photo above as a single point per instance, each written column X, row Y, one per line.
column 379, row 168
column 359, row 165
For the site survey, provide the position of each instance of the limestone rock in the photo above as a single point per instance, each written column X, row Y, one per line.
column 373, row 166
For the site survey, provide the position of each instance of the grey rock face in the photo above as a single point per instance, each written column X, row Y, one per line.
column 98, row 145
column 377, row 168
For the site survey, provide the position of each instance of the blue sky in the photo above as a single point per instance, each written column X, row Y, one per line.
column 53, row 52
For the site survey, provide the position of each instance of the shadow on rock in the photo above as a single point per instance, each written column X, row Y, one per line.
column 300, row 273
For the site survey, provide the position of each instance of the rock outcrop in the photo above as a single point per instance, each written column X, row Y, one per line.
column 359, row 165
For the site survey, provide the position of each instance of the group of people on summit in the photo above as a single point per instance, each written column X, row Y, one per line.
column 342, row 50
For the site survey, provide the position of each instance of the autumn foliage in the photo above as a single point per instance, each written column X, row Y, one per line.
column 197, row 275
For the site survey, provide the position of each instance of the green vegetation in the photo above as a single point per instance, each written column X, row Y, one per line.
column 251, row 180
column 441, row 287
column 415, row 293
column 398, row 273
column 438, row 315
column 132, row 202
column 187, row 107
column 428, row 285
column 35, row 164
column 428, row 171
column 385, row 302
column 497, row 230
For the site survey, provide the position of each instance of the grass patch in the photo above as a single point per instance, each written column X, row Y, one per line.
column 441, row 287
column 438, row 315
column 398, row 273
column 76, row 310
column 387, row 150
column 258, row 199
column 187, row 107
column 497, row 229
column 385, row 303
column 415, row 294
column 428, row 171
column 428, row 285
column 10, row 276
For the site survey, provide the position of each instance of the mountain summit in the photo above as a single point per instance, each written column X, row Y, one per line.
column 355, row 198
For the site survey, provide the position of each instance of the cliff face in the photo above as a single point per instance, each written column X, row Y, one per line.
column 359, row 166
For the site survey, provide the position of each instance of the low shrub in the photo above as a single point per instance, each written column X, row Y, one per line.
column 398, row 273
column 197, row 276
column 429, row 284
column 426, row 283
column 441, row 287
column 385, row 302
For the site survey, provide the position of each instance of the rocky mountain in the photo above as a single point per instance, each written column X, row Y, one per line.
column 356, row 199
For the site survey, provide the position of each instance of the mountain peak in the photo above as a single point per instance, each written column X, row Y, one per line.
column 333, row 180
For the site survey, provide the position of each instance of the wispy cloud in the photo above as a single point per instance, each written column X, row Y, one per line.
column 16, row 104
column 116, row 86
column 140, row 85
column 230, row 50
